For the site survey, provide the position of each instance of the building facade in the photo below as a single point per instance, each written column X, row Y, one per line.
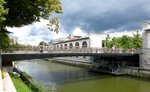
column 78, row 44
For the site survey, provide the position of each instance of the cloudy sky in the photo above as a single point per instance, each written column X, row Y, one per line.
column 82, row 17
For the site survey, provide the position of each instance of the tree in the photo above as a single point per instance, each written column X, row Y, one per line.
column 107, row 41
column 124, row 41
column 25, row 12
column 43, row 43
column 3, row 33
column 3, row 12
column 4, row 39
column 17, row 13
column 137, row 40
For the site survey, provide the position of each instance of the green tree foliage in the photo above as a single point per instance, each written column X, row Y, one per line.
column 124, row 41
column 137, row 40
column 25, row 12
column 107, row 41
column 54, row 25
column 4, row 39
column 3, row 12
column 16, row 47
column 43, row 43
column 17, row 13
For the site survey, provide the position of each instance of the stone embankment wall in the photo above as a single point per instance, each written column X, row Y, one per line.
column 85, row 59
column 73, row 63
column 145, row 58
column 145, row 52
column 136, row 71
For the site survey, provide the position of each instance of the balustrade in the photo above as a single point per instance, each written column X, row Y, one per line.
column 74, row 50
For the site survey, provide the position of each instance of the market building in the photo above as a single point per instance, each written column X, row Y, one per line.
column 78, row 44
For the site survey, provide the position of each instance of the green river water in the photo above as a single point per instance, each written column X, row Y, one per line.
column 65, row 78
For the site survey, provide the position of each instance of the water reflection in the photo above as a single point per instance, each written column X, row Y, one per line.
column 50, row 73
column 65, row 78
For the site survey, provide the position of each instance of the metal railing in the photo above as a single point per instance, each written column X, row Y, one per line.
column 95, row 50
column 76, row 50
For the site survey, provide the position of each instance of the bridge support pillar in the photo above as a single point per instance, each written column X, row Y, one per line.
column 7, row 63
column 145, row 52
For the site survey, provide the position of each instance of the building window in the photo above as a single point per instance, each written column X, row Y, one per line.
column 70, row 46
column 54, row 47
column 66, row 46
column 61, row 46
column 84, row 44
column 77, row 45
column 57, row 46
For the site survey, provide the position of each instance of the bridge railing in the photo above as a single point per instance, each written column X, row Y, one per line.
column 95, row 50
column 79, row 50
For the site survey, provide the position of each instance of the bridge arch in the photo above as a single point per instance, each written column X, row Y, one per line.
column 77, row 45
column 84, row 44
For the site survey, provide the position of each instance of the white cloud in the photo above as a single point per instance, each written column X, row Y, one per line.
column 38, row 31
column 33, row 34
column 118, row 34
column 79, row 32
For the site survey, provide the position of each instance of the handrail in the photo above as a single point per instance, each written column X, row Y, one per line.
column 76, row 50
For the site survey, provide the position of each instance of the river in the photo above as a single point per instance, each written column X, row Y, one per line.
column 65, row 78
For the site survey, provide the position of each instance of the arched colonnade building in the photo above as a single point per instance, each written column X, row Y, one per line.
column 81, row 43
column 78, row 44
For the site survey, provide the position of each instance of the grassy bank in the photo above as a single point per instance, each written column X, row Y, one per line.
column 36, row 87
column 28, row 80
column 19, row 85
column 3, row 75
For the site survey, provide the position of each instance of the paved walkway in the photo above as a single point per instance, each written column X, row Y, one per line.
column 8, row 86
column 1, row 84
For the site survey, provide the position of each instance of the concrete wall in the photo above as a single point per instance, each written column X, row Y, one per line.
column 77, row 59
column 145, row 52
column 146, row 39
column 130, row 71
column 96, row 40
column 145, row 58
column 138, row 72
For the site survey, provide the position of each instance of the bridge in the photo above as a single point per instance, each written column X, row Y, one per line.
column 94, row 52
column 106, row 61
column 15, row 57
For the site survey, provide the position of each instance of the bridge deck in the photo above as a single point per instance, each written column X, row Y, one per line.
column 7, row 57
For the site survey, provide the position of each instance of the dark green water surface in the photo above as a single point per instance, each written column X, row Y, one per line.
column 65, row 78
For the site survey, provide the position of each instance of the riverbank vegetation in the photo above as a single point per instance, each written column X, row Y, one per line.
column 15, row 47
column 125, row 41
column 24, row 83
column 19, row 85
column 28, row 80
column 3, row 75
